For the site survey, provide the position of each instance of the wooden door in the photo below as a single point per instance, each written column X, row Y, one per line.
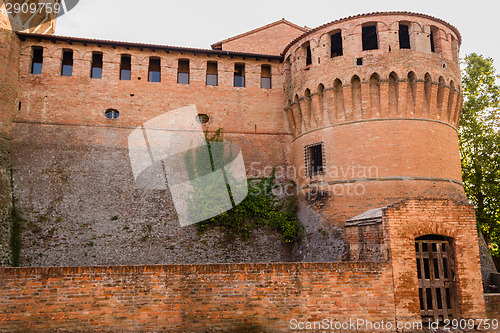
column 436, row 280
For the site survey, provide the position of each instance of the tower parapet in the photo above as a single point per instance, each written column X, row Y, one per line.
column 373, row 103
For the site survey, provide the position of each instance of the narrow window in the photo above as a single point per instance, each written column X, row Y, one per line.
column 239, row 75
column 67, row 63
column 265, row 77
column 308, row 55
column 454, row 49
column 314, row 159
column 125, row 67
column 336, row 48
column 212, row 74
column 96, row 72
column 154, row 70
column 37, row 60
column 370, row 39
column 432, row 37
column 404, row 36
column 183, row 71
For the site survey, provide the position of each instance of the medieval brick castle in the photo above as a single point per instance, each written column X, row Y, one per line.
column 361, row 113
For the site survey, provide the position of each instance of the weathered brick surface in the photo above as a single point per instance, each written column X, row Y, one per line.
column 366, row 242
column 373, row 164
column 79, row 160
column 269, row 39
column 84, row 179
column 492, row 302
column 9, row 60
column 195, row 298
column 388, row 123
column 410, row 219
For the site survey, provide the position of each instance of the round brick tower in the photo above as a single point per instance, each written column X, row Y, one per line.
column 373, row 106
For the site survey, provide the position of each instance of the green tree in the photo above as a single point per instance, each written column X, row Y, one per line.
column 480, row 144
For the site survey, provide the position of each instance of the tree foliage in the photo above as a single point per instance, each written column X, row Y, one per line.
column 480, row 144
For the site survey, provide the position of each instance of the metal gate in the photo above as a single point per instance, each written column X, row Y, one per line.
column 435, row 279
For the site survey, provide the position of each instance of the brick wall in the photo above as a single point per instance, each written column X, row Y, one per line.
column 197, row 298
column 375, row 163
column 492, row 303
column 411, row 219
column 387, row 117
column 9, row 62
column 72, row 172
column 76, row 190
column 79, row 99
column 270, row 39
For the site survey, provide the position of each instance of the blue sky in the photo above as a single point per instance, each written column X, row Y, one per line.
column 201, row 23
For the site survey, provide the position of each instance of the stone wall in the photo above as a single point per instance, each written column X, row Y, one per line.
column 9, row 62
column 72, row 172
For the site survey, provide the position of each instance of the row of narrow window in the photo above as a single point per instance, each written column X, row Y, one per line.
column 369, row 40
column 154, row 71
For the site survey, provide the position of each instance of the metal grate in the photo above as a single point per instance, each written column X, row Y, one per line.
column 314, row 158
column 435, row 280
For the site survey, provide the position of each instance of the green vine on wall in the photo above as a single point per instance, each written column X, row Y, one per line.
column 261, row 207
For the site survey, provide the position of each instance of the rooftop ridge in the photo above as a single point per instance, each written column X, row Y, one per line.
column 272, row 24
column 144, row 45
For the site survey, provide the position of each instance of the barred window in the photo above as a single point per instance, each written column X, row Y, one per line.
column 404, row 36
column 314, row 157
column 369, row 37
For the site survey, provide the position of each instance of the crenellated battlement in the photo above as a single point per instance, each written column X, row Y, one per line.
column 393, row 96
column 374, row 66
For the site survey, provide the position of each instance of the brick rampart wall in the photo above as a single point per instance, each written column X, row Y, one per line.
column 195, row 298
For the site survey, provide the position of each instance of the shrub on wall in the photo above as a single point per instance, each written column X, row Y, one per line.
column 261, row 208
